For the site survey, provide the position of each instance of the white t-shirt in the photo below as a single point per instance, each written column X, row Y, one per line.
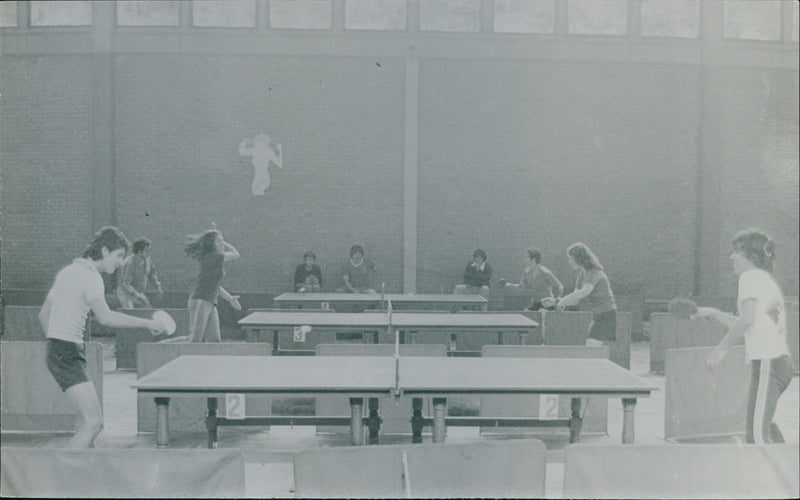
column 766, row 338
column 75, row 288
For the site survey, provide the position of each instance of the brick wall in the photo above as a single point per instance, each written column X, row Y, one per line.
column 511, row 154
column 340, row 124
column 45, row 153
column 759, row 171
column 514, row 154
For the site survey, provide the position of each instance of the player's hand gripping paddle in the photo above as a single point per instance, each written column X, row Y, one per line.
column 682, row 308
column 165, row 323
column 501, row 283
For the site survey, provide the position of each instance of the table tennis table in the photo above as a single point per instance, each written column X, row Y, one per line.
column 386, row 378
column 357, row 302
column 412, row 326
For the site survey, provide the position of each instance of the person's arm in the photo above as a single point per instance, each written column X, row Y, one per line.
column 246, row 147
column 299, row 282
column 277, row 158
column 115, row 319
column 556, row 286
column 747, row 314
column 127, row 282
column 347, row 285
column 468, row 274
column 724, row 319
column 44, row 313
column 371, row 273
column 229, row 253
column 154, row 278
column 127, row 279
column 583, row 289
column 574, row 298
column 487, row 275
column 233, row 299
column 523, row 282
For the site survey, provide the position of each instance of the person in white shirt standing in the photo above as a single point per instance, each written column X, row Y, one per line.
column 77, row 289
column 762, row 323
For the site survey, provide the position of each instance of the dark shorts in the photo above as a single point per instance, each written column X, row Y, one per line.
column 66, row 362
column 604, row 326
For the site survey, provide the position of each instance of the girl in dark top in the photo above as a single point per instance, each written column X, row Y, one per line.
column 592, row 283
column 210, row 250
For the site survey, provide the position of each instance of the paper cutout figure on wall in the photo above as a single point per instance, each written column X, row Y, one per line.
column 262, row 154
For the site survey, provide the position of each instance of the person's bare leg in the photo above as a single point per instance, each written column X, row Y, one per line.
column 90, row 416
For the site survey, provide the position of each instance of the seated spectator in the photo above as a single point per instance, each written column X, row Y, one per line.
column 544, row 287
column 477, row 275
column 308, row 275
column 137, row 272
column 358, row 274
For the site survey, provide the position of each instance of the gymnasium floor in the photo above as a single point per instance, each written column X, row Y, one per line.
column 268, row 453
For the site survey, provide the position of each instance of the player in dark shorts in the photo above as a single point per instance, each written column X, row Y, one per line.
column 210, row 250
column 593, row 284
column 77, row 289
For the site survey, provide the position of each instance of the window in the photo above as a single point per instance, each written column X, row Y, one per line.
column 748, row 20
column 671, row 18
column 524, row 16
column 375, row 15
column 148, row 13
column 450, row 15
column 300, row 14
column 61, row 13
column 597, row 17
column 224, row 13
column 8, row 14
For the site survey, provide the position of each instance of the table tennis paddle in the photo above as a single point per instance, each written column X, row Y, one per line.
column 682, row 308
column 165, row 322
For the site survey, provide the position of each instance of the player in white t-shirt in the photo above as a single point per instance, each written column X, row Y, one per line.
column 77, row 289
column 762, row 323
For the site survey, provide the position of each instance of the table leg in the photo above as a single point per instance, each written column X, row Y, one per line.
column 374, row 421
column 162, row 422
column 628, row 407
column 275, row 348
column 356, row 424
column 439, row 424
column 211, row 422
column 576, row 422
column 523, row 338
column 417, row 422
